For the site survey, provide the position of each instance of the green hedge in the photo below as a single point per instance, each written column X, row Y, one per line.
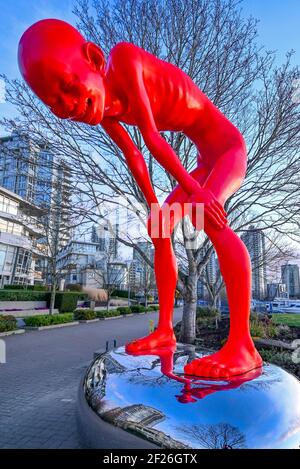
column 23, row 295
column 138, row 309
column 48, row 320
column 207, row 312
column 26, row 287
column 7, row 323
column 84, row 314
column 108, row 314
column 122, row 293
column 67, row 301
column 74, row 287
column 64, row 301
column 124, row 310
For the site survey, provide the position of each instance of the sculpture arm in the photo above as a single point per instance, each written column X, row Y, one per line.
column 134, row 158
column 156, row 144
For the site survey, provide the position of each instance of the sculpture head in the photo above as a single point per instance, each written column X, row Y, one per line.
column 63, row 70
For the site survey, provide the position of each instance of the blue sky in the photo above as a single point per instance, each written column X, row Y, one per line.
column 278, row 27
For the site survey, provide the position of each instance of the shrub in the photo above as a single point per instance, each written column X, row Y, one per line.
column 283, row 359
column 262, row 329
column 124, row 310
column 7, row 323
column 67, row 301
column 24, row 295
column 48, row 320
column 206, row 322
column 74, row 287
column 137, row 309
column 84, row 314
column 26, row 287
column 108, row 314
column 152, row 308
column 122, row 293
column 207, row 312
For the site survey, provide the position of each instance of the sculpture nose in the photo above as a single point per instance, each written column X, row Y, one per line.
column 65, row 107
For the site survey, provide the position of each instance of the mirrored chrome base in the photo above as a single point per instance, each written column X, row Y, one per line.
column 143, row 402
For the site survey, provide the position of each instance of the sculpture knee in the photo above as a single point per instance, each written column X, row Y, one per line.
column 232, row 252
column 159, row 229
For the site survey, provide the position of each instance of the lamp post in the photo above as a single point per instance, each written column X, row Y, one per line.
column 128, row 270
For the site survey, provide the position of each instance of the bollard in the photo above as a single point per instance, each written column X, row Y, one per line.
column 151, row 325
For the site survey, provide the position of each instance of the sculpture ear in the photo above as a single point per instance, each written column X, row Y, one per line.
column 95, row 56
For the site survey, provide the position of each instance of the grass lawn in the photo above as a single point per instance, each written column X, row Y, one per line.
column 292, row 320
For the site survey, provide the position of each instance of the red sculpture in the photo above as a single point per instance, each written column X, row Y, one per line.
column 195, row 388
column 71, row 76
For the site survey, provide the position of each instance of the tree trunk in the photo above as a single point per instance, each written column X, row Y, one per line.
column 188, row 323
column 52, row 297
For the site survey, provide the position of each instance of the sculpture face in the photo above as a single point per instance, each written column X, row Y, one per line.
column 64, row 70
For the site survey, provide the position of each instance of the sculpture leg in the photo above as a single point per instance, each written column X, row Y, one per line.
column 165, row 272
column 166, row 279
column 238, row 354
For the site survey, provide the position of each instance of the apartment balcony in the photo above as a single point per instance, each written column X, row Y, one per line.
column 15, row 240
column 28, row 222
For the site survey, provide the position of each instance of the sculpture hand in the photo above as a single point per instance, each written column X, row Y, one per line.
column 213, row 210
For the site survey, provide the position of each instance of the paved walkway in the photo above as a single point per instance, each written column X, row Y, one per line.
column 39, row 382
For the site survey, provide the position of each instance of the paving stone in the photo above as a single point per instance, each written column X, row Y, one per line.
column 39, row 382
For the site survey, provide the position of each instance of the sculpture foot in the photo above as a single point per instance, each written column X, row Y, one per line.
column 153, row 341
column 231, row 360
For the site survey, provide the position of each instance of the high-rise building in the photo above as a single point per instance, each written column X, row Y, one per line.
column 276, row 290
column 105, row 235
column 19, row 234
column 141, row 275
column 34, row 172
column 290, row 276
column 208, row 276
column 81, row 262
column 254, row 240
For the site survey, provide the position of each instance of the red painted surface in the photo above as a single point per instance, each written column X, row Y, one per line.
column 72, row 77
column 197, row 388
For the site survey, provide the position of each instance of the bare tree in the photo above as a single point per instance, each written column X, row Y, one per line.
column 218, row 436
column 212, row 42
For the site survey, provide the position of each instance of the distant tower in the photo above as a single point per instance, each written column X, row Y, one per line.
column 254, row 240
column 106, row 236
column 208, row 275
column 141, row 271
column 34, row 172
column 290, row 276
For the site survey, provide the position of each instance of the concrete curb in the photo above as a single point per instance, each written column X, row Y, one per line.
column 16, row 331
column 110, row 317
column 126, row 315
column 52, row 326
column 87, row 321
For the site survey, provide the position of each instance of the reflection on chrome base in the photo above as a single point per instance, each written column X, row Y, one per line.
column 149, row 396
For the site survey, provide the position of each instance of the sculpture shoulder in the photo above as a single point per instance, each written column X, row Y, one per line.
column 126, row 52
